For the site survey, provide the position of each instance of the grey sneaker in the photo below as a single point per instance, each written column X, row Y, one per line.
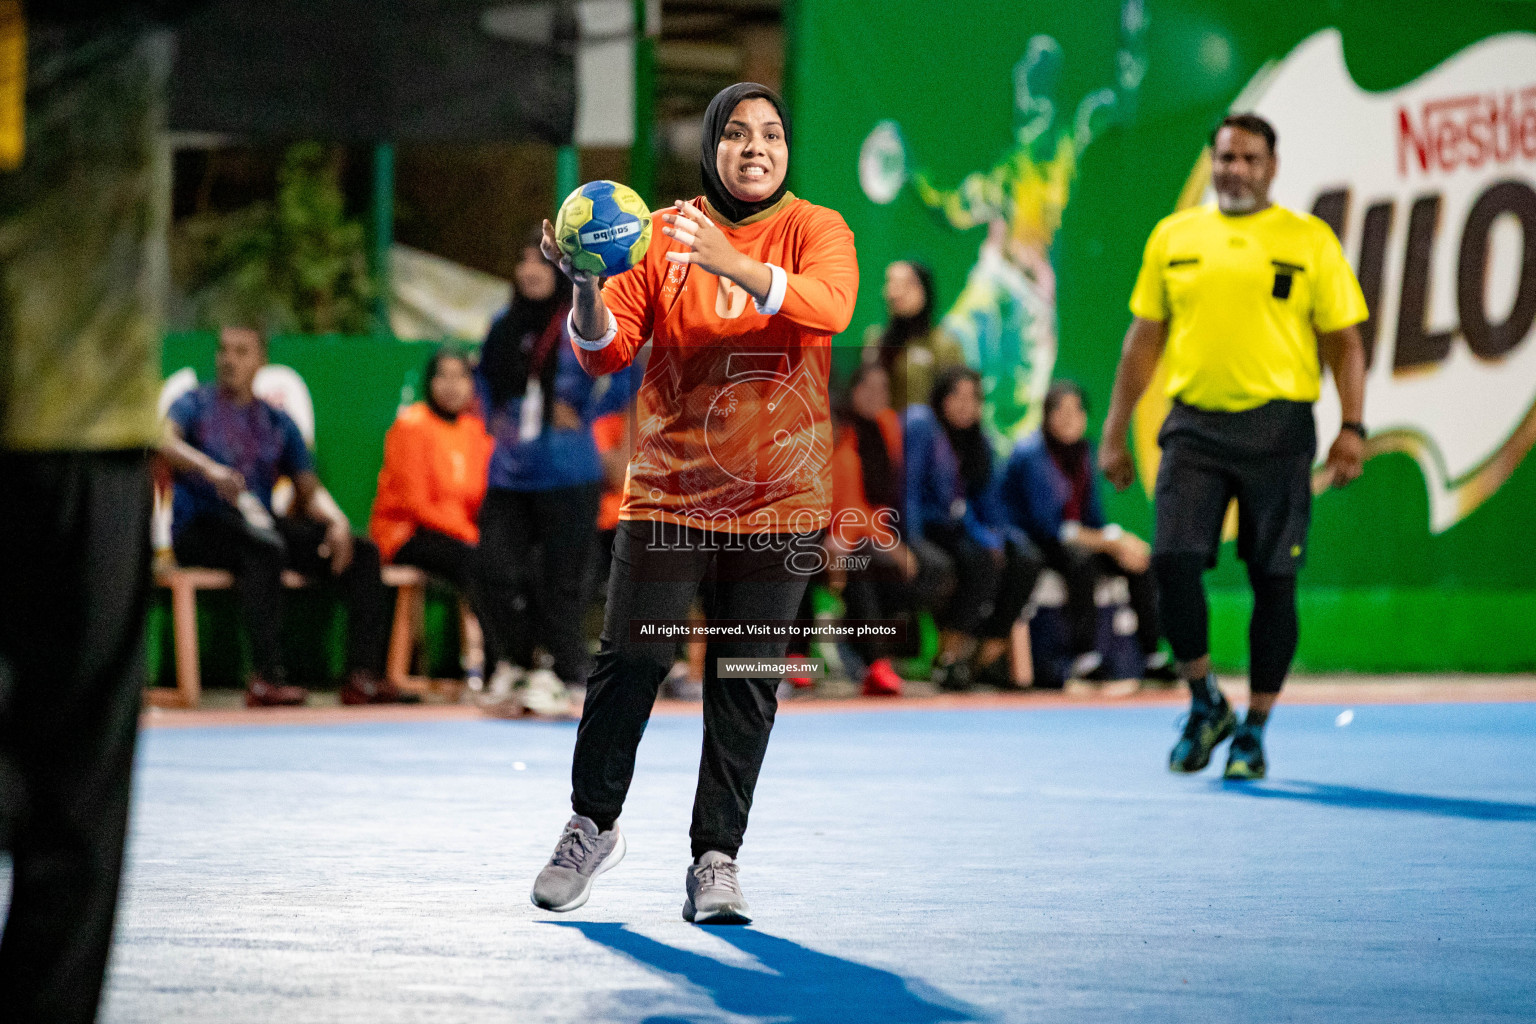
column 580, row 856
column 714, row 892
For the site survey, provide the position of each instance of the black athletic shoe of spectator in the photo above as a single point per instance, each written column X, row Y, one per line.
column 954, row 677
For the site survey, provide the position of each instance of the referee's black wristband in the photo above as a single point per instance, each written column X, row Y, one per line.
column 1354, row 426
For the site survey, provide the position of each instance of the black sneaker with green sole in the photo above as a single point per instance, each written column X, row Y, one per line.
column 1203, row 732
column 1245, row 758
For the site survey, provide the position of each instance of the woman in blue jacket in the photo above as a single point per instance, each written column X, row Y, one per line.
column 545, row 474
column 1050, row 490
column 953, row 513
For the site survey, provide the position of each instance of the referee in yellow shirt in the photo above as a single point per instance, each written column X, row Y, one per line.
column 1244, row 300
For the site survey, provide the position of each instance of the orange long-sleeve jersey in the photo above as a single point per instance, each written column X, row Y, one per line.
column 733, row 415
column 434, row 475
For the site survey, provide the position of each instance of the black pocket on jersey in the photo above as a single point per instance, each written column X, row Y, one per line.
column 1284, row 272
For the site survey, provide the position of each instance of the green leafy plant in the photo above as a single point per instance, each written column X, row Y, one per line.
column 292, row 265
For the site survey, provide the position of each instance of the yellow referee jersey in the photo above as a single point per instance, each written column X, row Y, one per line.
column 1245, row 298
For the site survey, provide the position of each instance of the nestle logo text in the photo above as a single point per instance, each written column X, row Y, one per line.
column 1467, row 131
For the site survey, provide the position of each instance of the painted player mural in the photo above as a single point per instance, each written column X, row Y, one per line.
column 1005, row 317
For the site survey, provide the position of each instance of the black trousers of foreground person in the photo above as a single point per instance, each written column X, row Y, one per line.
column 467, row 568
column 657, row 570
column 222, row 539
column 560, row 523
column 74, row 584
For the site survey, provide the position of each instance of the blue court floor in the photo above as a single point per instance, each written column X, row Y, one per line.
column 904, row 866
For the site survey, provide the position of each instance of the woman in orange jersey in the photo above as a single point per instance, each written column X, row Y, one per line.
column 730, row 485
column 430, row 490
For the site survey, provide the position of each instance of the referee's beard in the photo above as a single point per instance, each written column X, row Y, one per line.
column 1239, row 202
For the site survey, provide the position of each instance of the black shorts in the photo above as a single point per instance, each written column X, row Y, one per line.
column 1262, row 458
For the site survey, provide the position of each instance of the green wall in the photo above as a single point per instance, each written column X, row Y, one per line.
column 1380, row 591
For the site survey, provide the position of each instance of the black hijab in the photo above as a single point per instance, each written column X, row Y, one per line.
column 969, row 443
column 715, row 118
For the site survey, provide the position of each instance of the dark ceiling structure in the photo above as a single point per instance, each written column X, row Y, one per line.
column 366, row 71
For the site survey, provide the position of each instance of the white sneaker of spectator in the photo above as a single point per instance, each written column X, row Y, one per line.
column 505, row 679
column 544, row 694
column 1085, row 665
column 501, row 696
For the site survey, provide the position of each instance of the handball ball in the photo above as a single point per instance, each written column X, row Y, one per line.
column 603, row 227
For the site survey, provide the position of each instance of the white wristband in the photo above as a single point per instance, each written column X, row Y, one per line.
column 1112, row 532
column 600, row 343
column 776, row 291
column 1069, row 531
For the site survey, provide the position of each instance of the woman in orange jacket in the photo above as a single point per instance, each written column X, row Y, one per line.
column 740, row 292
column 430, row 489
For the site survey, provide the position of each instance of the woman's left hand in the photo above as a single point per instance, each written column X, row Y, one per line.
column 712, row 251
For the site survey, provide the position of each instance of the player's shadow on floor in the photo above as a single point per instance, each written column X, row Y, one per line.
column 806, row 987
column 1384, row 800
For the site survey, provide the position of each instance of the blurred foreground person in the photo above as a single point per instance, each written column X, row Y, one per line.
column 84, row 202
column 1244, row 301
column 229, row 448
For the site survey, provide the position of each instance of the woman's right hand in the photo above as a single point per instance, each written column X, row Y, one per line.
column 588, row 314
column 551, row 251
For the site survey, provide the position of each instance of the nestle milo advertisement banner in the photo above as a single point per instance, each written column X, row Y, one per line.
column 1025, row 150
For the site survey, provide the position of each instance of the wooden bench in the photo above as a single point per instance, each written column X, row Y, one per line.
column 184, row 583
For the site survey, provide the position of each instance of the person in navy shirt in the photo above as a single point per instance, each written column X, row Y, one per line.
column 953, row 512
column 229, row 448
column 1050, row 490
column 546, row 478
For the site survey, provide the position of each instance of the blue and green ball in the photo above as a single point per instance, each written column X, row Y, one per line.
column 604, row 227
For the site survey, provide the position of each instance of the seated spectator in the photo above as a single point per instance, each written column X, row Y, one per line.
column 866, row 498
column 908, row 345
column 430, row 488
column 952, row 505
column 228, row 449
column 1051, row 491
column 539, row 519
